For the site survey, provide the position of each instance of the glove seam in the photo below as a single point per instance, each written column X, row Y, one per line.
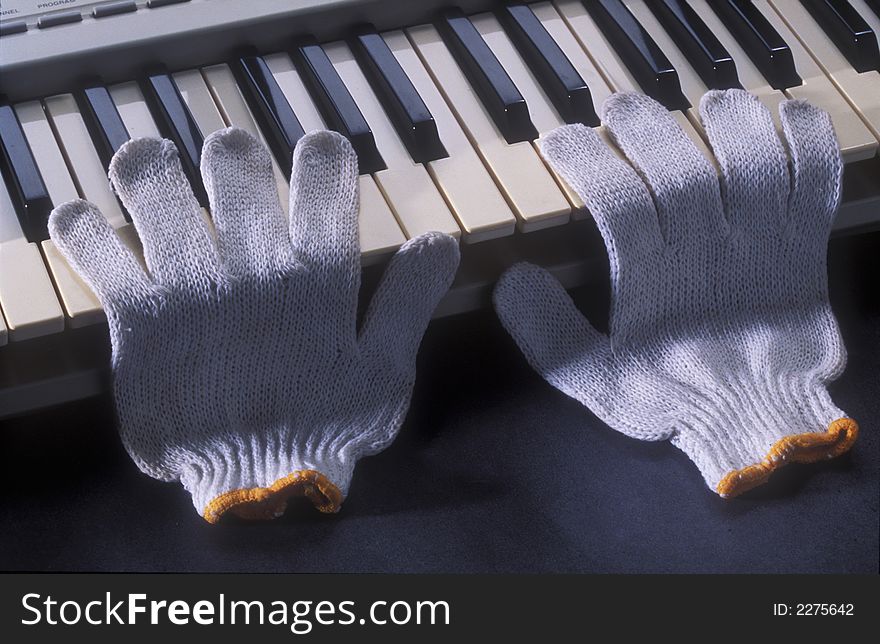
column 270, row 501
column 795, row 448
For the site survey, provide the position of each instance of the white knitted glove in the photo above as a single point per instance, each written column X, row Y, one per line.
column 721, row 336
column 237, row 365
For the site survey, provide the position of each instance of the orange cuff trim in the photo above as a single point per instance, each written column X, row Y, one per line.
column 266, row 503
column 797, row 448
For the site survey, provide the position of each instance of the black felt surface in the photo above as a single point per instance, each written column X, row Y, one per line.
column 493, row 471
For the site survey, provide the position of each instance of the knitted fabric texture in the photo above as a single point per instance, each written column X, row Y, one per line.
column 721, row 336
column 238, row 368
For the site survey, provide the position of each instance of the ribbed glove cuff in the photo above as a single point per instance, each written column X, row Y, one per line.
column 740, row 435
column 257, row 483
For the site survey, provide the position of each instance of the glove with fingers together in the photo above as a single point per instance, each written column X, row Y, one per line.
column 238, row 367
column 721, row 336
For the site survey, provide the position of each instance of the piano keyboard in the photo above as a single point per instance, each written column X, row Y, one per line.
column 443, row 105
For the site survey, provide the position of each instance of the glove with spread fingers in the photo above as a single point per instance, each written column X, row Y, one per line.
column 721, row 336
column 238, row 367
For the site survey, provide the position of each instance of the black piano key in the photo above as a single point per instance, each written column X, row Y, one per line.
column 24, row 180
column 176, row 123
column 337, row 105
column 102, row 119
column 270, row 106
column 486, row 75
column 563, row 84
column 411, row 117
column 848, row 31
column 104, row 124
column 653, row 71
column 703, row 50
column 761, row 42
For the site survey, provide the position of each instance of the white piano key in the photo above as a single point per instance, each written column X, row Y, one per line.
column 692, row 85
column 27, row 298
column 291, row 83
column 94, row 186
column 80, row 304
column 750, row 76
column 468, row 187
column 558, row 29
column 134, row 111
column 46, row 152
column 525, row 180
column 856, row 141
column 613, row 69
column 10, row 226
column 235, row 111
column 378, row 230
column 198, row 99
column 589, row 35
column 409, row 189
column 541, row 110
column 83, row 159
column 862, row 90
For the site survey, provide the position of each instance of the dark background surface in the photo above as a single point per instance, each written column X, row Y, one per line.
column 493, row 471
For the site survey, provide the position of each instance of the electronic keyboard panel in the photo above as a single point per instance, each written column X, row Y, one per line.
column 444, row 105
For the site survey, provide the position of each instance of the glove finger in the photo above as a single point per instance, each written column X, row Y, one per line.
column 817, row 168
column 240, row 182
column 324, row 207
column 417, row 277
column 681, row 178
column 148, row 178
column 615, row 195
column 558, row 342
column 754, row 168
column 95, row 251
